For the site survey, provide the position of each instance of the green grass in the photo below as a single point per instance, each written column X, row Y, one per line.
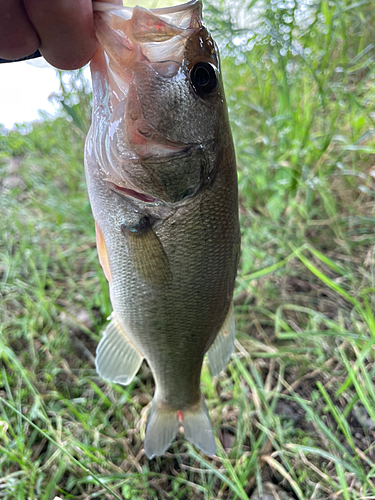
column 296, row 404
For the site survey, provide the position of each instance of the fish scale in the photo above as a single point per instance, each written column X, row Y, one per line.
column 166, row 212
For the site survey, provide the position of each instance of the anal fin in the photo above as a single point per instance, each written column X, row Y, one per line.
column 220, row 351
column 117, row 360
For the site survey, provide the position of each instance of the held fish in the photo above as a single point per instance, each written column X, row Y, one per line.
column 162, row 183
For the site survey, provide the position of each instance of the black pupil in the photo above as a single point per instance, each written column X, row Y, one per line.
column 203, row 78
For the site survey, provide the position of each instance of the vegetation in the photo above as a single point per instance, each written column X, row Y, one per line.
column 296, row 405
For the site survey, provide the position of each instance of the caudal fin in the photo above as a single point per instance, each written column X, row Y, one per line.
column 198, row 430
column 162, row 427
column 163, row 423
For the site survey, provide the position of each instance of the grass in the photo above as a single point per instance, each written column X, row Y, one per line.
column 295, row 406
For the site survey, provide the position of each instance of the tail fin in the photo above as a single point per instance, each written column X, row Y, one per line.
column 163, row 423
column 198, row 430
column 162, row 427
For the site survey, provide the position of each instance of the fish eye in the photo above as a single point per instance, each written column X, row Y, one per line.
column 203, row 78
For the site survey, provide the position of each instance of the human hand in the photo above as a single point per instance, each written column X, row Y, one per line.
column 62, row 30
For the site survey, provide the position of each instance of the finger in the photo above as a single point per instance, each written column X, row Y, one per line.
column 66, row 31
column 18, row 37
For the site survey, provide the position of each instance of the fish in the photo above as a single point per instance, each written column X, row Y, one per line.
column 162, row 182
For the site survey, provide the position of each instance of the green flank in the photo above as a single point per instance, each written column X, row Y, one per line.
column 295, row 407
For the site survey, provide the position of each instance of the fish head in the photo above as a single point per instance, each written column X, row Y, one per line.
column 160, row 119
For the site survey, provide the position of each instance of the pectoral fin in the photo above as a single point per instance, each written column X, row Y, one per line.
column 117, row 360
column 102, row 252
column 147, row 252
column 220, row 351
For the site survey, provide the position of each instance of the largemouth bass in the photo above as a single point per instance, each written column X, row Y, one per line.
column 162, row 183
